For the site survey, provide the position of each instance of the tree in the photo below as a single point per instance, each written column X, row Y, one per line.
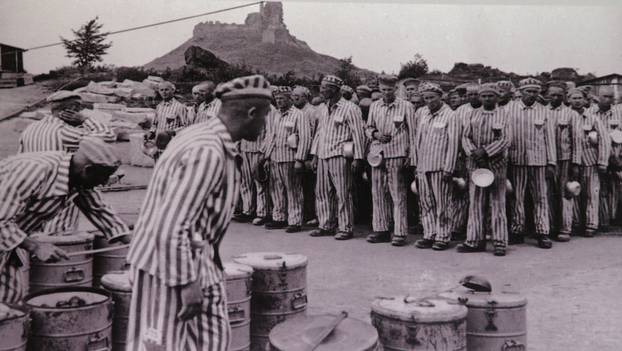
column 88, row 47
column 414, row 68
column 347, row 72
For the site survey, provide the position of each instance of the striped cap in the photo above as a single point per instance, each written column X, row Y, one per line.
column 98, row 152
column 577, row 91
column 506, row 86
column 387, row 79
column 332, row 80
column 244, row 87
column 529, row 83
column 62, row 95
column 489, row 88
column 472, row 88
column 363, row 88
column 347, row 89
column 408, row 81
column 430, row 87
column 299, row 89
column 282, row 90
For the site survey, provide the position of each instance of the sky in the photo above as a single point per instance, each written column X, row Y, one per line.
column 525, row 39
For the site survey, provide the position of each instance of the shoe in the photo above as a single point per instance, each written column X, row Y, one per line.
column 440, row 246
column 424, row 243
column 260, row 220
column 499, row 251
column 464, row 247
column 562, row 238
column 544, row 242
column 398, row 241
column 322, row 232
column 343, row 236
column 378, row 237
column 276, row 225
column 516, row 239
column 242, row 218
column 312, row 223
column 293, row 229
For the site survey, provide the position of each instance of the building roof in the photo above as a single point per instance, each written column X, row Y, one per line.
column 600, row 79
column 12, row 47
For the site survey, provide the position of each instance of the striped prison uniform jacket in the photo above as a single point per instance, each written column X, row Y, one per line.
column 567, row 140
column 189, row 204
column 487, row 130
column 170, row 115
column 433, row 151
column 204, row 112
column 53, row 134
column 308, row 112
column 33, row 188
column 532, row 147
column 286, row 185
column 396, row 119
column 342, row 123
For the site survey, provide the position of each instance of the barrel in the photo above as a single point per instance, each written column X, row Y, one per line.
column 350, row 334
column 496, row 321
column 238, row 286
column 118, row 285
column 77, row 271
column 14, row 325
column 406, row 323
column 70, row 319
column 110, row 261
column 279, row 291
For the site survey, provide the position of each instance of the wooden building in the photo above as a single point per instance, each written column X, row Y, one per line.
column 613, row 80
column 12, row 73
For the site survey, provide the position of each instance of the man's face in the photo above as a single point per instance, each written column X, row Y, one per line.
column 577, row 101
column 455, row 100
column 256, row 118
column 432, row 100
column 328, row 91
column 605, row 100
column 530, row 95
column 411, row 90
column 472, row 97
column 283, row 102
column 488, row 99
column 362, row 93
column 387, row 91
column 166, row 92
column 199, row 95
column 299, row 99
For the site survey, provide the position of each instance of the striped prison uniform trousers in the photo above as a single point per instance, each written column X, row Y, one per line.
column 155, row 306
column 13, row 282
column 308, row 189
column 334, row 179
column 587, row 204
column 286, row 193
column 460, row 201
column 608, row 204
column 561, row 208
column 435, row 197
column 389, row 197
column 254, row 193
column 533, row 179
column 487, row 211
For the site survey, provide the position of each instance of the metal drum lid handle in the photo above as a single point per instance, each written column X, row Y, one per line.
column 513, row 345
column 303, row 301
column 98, row 342
column 73, row 275
column 236, row 311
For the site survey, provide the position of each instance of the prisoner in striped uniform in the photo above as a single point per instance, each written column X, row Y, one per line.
column 34, row 187
column 594, row 151
column 206, row 105
column 287, row 157
column 62, row 131
column 485, row 143
column 171, row 117
column 300, row 98
column 390, row 122
column 433, row 154
column 610, row 184
column 256, row 204
column 178, row 300
column 568, row 160
column 340, row 126
column 532, row 159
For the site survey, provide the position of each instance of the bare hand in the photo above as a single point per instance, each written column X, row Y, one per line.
column 356, row 165
column 191, row 299
column 447, row 176
column 314, row 164
column 479, row 154
column 299, row 166
column 71, row 117
column 550, row 171
column 574, row 172
column 47, row 252
column 602, row 169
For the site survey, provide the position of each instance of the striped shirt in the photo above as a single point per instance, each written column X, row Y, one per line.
column 204, row 112
column 532, row 137
column 170, row 115
column 34, row 187
column 53, row 134
column 436, row 143
column 463, row 113
column 593, row 155
column 566, row 137
column 343, row 123
column 282, row 125
column 612, row 120
column 308, row 111
column 487, row 130
column 255, row 146
column 188, row 207
column 396, row 119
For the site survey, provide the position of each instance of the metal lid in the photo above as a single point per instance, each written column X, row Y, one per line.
column 484, row 299
column 236, row 270
column 65, row 238
column 117, row 280
column 616, row 136
column 408, row 308
column 482, row 177
column 348, row 149
column 58, row 298
column 271, row 260
column 292, row 141
column 349, row 334
column 413, row 187
column 8, row 312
